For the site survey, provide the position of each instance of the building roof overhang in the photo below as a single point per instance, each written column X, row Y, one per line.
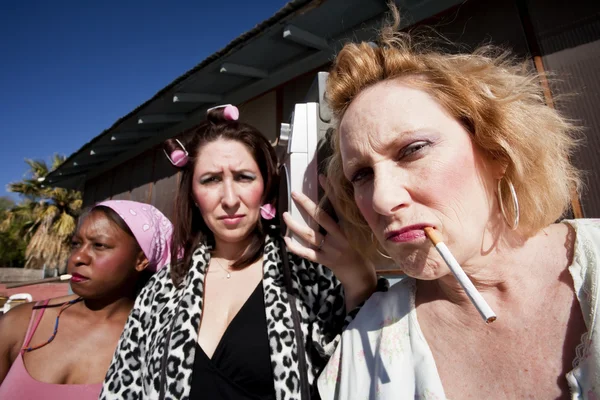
column 301, row 37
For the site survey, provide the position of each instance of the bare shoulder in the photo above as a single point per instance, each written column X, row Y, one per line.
column 62, row 299
column 557, row 241
column 557, row 230
column 15, row 322
column 17, row 315
column 13, row 325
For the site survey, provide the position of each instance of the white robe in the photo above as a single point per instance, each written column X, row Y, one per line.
column 384, row 355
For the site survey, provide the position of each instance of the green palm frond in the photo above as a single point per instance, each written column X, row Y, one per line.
column 25, row 207
column 60, row 197
column 47, row 249
column 64, row 226
column 7, row 221
column 50, row 213
column 75, row 206
column 37, row 168
column 26, row 187
column 46, row 218
column 57, row 160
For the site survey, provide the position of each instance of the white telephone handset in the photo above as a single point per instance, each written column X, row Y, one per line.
column 299, row 168
column 299, row 151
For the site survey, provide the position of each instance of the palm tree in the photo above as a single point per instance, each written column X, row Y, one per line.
column 12, row 245
column 47, row 215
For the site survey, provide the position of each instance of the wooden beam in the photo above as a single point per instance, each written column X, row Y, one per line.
column 128, row 136
column 243, row 70
column 196, row 98
column 305, row 38
column 161, row 118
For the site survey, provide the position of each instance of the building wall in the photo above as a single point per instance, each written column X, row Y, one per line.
column 148, row 178
column 295, row 92
column 261, row 112
column 567, row 34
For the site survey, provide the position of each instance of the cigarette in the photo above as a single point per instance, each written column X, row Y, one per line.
column 64, row 277
column 476, row 298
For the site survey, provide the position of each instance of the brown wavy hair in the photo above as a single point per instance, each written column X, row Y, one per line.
column 189, row 228
column 498, row 100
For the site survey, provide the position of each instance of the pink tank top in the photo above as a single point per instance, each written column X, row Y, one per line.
column 18, row 384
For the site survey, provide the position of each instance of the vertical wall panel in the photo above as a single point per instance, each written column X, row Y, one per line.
column 122, row 181
column 261, row 113
column 141, row 177
column 569, row 37
column 478, row 22
column 89, row 193
column 295, row 92
column 165, row 184
column 563, row 24
column 103, row 184
column 578, row 70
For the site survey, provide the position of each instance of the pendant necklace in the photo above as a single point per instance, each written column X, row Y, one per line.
column 223, row 268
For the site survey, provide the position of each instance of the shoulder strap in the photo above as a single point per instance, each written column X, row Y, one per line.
column 304, row 385
column 34, row 321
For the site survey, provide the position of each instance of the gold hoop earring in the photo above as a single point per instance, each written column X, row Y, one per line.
column 377, row 250
column 515, row 201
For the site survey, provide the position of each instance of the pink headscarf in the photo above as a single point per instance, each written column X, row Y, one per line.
column 151, row 229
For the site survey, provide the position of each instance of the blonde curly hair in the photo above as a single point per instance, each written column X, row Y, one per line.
column 497, row 99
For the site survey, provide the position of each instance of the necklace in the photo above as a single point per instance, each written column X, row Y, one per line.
column 223, row 268
column 62, row 308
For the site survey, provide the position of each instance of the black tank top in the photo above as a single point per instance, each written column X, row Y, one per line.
column 240, row 368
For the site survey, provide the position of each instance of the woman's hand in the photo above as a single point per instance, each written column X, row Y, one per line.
column 356, row 274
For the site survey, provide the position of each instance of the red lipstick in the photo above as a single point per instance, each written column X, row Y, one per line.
column 77, row 278
column 407, row 234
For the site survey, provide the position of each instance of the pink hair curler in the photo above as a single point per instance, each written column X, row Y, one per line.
column 230, row 112
column 267, row 211
column 178, row 157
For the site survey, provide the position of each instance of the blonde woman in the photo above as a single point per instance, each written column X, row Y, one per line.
column 463, row 144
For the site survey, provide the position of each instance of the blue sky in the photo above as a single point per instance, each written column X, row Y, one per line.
column 69, row 69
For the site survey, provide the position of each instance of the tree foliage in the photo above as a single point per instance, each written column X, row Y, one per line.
column 45, row 219
column 12, row 245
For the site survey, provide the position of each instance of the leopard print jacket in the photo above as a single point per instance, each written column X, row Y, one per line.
column 155, row 354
